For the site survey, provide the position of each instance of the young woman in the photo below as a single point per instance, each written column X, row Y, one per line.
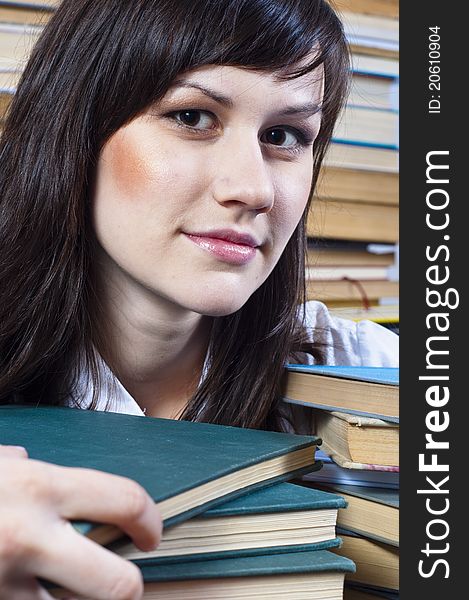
column 156, row 170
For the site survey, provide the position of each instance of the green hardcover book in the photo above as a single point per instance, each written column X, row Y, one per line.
column 315, row 574
column 371, row 512
column 299, row 575
column 280, row 518
column 185, row 467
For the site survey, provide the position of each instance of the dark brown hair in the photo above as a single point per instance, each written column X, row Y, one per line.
column 96, row 67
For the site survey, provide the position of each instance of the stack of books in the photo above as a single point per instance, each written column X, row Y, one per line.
column 351, row 274
column 233, row 526
column 356, row 200
column 355, row 411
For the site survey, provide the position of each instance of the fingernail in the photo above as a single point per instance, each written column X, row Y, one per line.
column 16, row 450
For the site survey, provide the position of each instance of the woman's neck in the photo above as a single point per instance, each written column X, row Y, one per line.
column 155, row 348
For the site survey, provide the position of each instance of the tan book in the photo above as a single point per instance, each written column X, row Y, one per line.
column 333, row 256
column 376, row 187
column 374, row 91
column 5, row 100
column 351, row 293
column 371, row 512
column 377, row 564
column 24, row 15
column 365, row 391
column 360, row 124
column 353, row 438
column 337, row 273
column 50, row 4
column 374, row 51
column 375, row 65
column 338, row 219
column 368, row 158
column 372, row 34
column 384, row 8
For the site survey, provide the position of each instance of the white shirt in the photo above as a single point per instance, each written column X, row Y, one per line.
column 362, row 343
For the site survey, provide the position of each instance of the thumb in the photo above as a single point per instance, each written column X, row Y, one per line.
column 13, row 452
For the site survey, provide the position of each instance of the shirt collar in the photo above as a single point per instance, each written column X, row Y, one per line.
column 112, row 396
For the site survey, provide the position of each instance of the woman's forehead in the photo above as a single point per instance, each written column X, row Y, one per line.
column 231, row 84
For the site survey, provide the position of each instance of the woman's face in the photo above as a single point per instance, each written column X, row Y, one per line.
column 197, row 198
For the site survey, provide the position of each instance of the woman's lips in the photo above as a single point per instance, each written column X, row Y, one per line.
column 226, row 250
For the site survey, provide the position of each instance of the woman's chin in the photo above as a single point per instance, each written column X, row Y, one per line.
column 219, row 306
column 221, row 309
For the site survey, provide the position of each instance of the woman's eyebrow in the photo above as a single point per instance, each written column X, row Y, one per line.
column 220, row 98
column 307, row 109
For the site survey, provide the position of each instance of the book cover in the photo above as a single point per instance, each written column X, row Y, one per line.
column 380, row 375
column 316, row 561
column 185, row 467
column 226, row 554
column 367, row 391
column 388, row 497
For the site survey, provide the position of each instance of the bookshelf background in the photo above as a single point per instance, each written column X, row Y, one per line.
column 353, row 230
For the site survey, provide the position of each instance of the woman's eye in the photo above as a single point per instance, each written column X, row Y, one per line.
column 196, row 119
column 281, row 137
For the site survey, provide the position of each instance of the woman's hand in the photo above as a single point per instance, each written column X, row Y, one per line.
column 37, row 502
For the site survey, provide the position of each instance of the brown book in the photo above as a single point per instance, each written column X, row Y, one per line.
column 377, row 564
column 346, row 255
column 372, row 512
column 338, row 219
column 338, row 273
column 361, row 124
column 375, row 65
column 364, row 391
column 5, row 100
column 384, row 8
column 357, row 439
column 23, row 15
column 374, row 91
column 352, row 293
column 369, row 158
column 49, row 4
column 372, row 34
column 376, row 187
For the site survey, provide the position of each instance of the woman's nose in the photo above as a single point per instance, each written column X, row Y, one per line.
column 243, row 177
